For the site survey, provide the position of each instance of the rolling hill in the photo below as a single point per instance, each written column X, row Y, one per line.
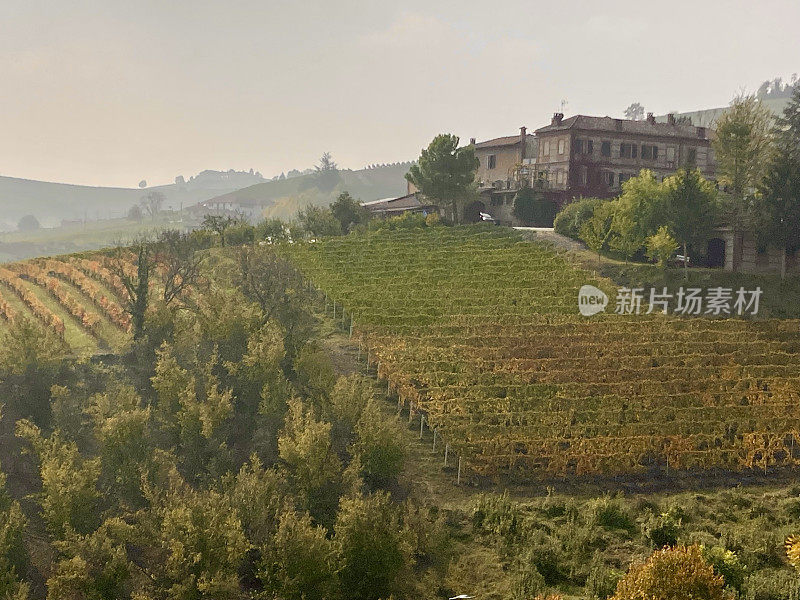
column 52, row 203
column 284, row 197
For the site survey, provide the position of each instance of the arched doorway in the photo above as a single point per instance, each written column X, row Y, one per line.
column 473, row 210
column 715, row 256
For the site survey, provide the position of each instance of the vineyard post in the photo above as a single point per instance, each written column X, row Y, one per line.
column 446, row 451
column 435, row 431
column 410, row 411
column 458, row 478
column 351, row 326
column 421, row 424
column 334, row 310
column 358, row 357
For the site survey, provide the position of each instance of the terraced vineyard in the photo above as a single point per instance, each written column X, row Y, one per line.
column 78, row 298
column 480, row 331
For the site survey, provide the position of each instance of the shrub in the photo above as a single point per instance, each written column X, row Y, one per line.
column 672, row 574
column 771, row 584
column 497, row 514
column 727, row 564
column 602, row 582
column 609, row 512
column 663, row 530
column 527, row 580
column 572, row 217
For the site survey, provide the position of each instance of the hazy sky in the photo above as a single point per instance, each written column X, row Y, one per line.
column 108, row 92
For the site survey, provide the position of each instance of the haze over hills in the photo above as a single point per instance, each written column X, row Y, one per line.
column 52, row 203
column 284, row 197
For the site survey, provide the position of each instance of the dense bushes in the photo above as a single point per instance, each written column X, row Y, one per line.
column 574, row 215
column 648, row 216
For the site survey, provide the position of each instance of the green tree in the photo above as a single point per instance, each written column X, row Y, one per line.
column 194, row 543
column 743, row 146
column 314, row 373
column 95, row 565
column 30, row 362
column 641, row 208
column 301, row 561
column 672, row 574
column 375, row 548
column 349, row 397
column 445, row 173
column 280, row 292
column 319, row 222
column 533, row 208
column 691, row 209
column 625, row 237
column 379, row 445
column 348, row 211
column 313, row 468
column 28, row 223
column 122, row 430
column 597, row 230
column 136, row 281
column 572, row 217
column 781, row 185
column 726, row 563
column 69, row 496
column 661, row 245
column 272, row 230
column 220, row 224
column 260, row 496
column 13, row 554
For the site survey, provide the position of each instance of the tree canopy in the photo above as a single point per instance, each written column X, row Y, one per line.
column 445, row 173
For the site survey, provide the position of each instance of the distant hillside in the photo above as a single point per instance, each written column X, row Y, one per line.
column 51, row 203
column 708, row 116
column 284, row 197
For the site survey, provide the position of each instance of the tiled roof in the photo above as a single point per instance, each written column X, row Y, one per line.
column 509, row 140
column 408, row 201
column 644, row 127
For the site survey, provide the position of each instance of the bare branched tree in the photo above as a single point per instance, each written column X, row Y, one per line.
column 179, row 263
column 152, row 203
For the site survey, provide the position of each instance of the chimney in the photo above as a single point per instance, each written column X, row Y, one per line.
column 557, row 118
column 522, row 133
column 651, row 119
column 471, row 141
column 671, row 118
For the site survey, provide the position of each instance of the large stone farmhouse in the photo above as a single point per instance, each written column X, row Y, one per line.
column 593, row 156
